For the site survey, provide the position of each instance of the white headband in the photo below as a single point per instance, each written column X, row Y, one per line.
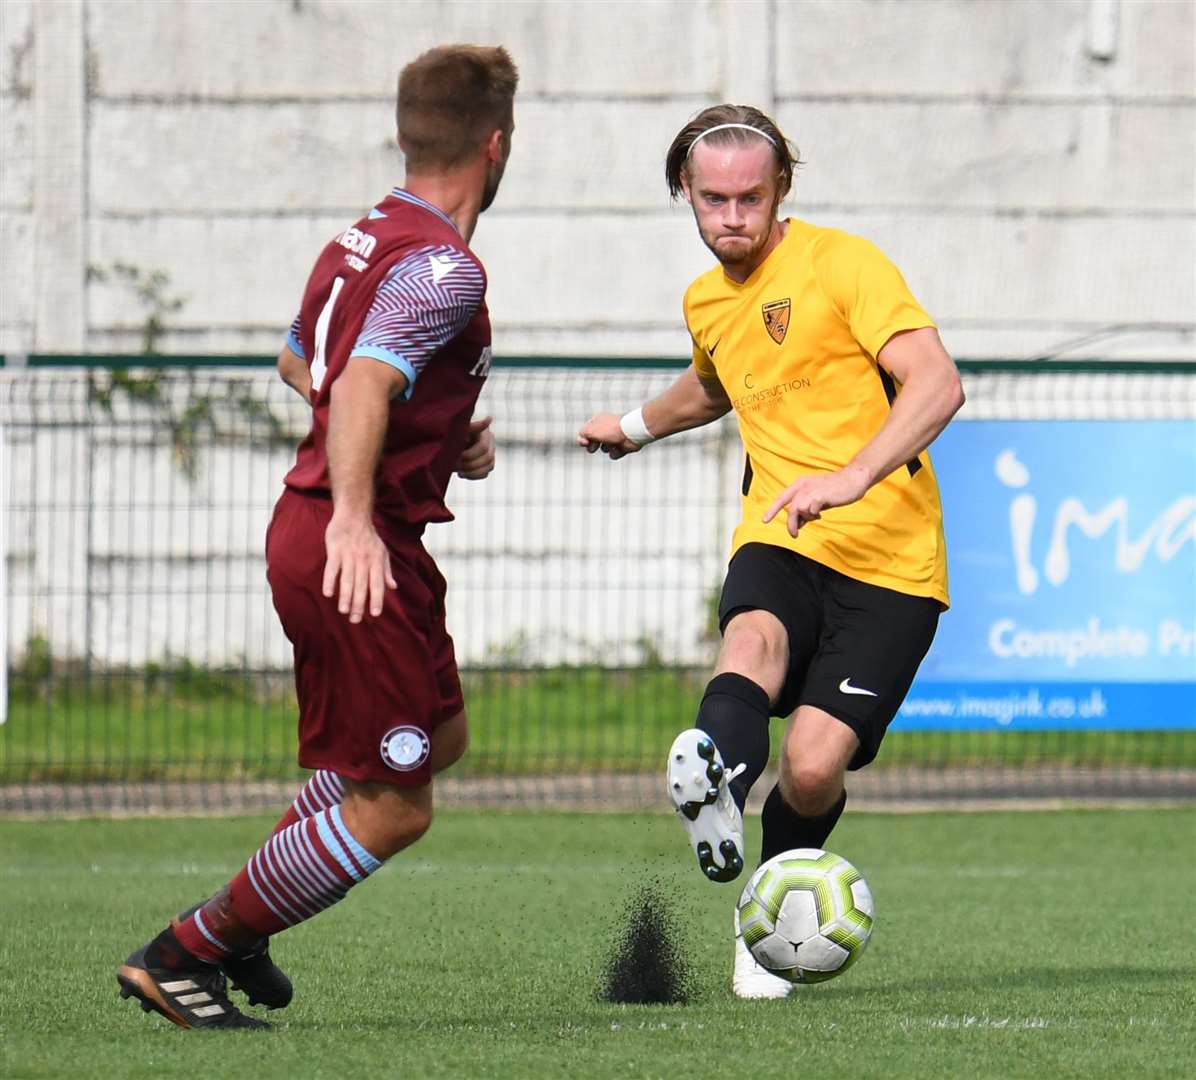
column 723, row 127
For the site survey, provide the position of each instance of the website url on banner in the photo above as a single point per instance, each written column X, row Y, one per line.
column 1007, row 708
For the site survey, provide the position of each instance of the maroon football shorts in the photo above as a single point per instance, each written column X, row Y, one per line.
column 370, row 693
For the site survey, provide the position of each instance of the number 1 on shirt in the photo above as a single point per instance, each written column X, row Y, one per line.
column 319, row 366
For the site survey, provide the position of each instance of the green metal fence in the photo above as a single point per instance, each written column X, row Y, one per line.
column 145, row 669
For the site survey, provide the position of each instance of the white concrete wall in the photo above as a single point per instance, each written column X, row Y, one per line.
column 1033, row 192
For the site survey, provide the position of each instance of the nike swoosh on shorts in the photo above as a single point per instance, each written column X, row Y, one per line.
column 845, row 687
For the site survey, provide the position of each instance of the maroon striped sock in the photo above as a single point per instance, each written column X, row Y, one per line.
column 296, row 874
column 323, row 789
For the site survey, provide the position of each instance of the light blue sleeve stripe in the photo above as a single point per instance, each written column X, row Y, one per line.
column 376, row 352
column 359, row 853
column 293, row 344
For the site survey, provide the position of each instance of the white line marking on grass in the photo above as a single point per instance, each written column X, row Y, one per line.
column 955, row 1023
column 983, row 871
column 947, row 1022
column 40, row 868
column 990, row 872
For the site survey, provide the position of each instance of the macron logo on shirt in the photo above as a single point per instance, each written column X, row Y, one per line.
column 442, row 266
column 360, row 243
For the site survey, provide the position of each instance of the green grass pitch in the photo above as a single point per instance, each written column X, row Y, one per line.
column 1006, row 945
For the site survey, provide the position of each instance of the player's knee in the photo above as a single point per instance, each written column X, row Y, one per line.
column 418, row 822
column 404, row 829
column 809, row 785
column 385, row 819
column 754, row 640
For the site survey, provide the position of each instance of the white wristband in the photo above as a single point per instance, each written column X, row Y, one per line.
column 635, row 429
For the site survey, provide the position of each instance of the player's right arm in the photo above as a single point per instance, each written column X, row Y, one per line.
column 358, row 413
column 690, row 402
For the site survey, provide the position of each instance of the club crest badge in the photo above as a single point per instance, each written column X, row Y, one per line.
column 776, row 319
column 405, row 748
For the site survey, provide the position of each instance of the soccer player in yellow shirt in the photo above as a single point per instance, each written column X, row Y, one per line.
column 838, row 572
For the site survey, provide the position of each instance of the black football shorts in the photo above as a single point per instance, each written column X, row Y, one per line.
column 854, row 648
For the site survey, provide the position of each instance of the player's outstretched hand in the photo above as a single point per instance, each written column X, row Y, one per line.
column 477, row 459
column 806, row 498
column 358, row 557
column 604, row 432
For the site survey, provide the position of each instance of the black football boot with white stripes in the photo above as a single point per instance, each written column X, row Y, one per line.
column 254, row 973
column 192, row 994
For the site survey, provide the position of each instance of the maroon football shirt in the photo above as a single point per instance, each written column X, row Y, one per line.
column 400, row 286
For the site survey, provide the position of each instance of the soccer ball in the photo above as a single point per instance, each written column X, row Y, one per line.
column 806, row 915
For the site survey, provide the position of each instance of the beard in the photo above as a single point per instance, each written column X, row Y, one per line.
column 735, row 250
column 488, row 192
column 493, row 179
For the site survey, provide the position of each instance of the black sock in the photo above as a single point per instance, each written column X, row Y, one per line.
column 785, row 828
column 734, row 713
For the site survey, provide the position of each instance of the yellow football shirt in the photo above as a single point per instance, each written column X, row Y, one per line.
column 795, row 347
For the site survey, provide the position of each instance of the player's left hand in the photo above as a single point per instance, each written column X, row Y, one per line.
column 477, row 459
column 806, row 498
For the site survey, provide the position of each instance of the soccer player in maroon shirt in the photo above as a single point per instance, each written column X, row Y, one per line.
column 391, row 347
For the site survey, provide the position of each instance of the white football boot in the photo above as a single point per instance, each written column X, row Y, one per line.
column 748, row 979
column 698, row 784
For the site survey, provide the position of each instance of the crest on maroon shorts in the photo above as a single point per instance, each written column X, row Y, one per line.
column 405, row 748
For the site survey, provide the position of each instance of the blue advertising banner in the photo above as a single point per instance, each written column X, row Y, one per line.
column 1072, row 555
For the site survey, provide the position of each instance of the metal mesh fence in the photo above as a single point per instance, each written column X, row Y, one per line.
column 146, row 669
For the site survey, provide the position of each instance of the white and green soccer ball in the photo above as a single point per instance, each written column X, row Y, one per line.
column 806, row 915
